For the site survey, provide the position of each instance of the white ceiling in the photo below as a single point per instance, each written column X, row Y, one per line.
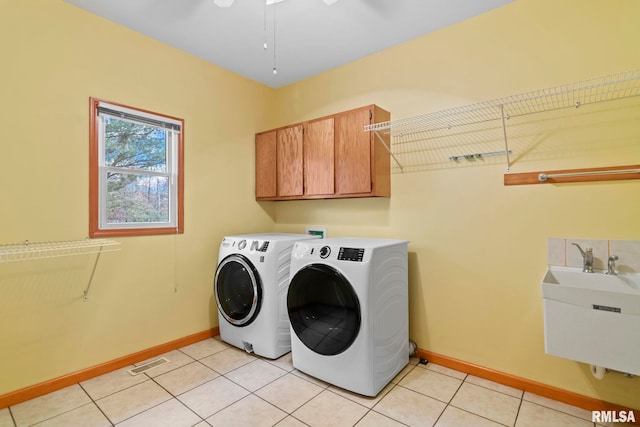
column 310, row 36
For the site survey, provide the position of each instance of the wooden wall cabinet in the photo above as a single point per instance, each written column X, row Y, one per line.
column 266, row 165
column 319, row 155
column 289, row 161
column 329, row 157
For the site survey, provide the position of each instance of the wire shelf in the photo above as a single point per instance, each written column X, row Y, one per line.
column 438, row 137
column 39, row 250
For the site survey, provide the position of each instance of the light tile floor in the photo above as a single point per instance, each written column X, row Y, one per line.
column 213, row 384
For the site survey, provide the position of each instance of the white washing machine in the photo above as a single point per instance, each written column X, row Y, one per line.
column 250, row 288
column 348, row 308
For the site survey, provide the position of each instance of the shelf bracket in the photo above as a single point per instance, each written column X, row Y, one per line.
column 85, row 295
column 389, row 150
column 504, row 134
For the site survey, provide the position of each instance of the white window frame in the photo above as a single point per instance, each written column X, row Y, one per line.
column 173, row 128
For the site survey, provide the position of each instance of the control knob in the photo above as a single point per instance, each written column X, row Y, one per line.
column 325, row 251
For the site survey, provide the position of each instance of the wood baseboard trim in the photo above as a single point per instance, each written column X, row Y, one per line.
column 568, row 397
column 43, row 388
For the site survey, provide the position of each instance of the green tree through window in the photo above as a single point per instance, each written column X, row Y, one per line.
column 130, row 197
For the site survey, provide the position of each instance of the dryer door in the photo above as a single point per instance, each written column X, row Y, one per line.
column 238, row 290
column 323, row 309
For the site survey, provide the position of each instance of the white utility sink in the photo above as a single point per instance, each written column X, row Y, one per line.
column 593, row 317
column 573, row 286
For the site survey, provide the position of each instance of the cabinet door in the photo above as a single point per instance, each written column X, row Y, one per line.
column 266, row 165
column 380, row 157
column 353, row 152
column 289, row 161
column 318, row 157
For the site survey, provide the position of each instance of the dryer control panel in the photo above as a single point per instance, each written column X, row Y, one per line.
column 350, row 254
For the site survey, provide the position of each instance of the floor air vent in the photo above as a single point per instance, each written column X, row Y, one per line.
column 149, row 365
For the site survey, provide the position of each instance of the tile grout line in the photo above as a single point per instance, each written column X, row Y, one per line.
column 199, row 360
column 554, row 409
column 91, row 402
column 519, row 407
column 478, row 415
column 13, row 419
column 134, row 415
column 265, row 385
column 173, row 396
column 298, row 407
column 176, row 397
column 451, row 399
column 251, row 392
column 327, row 388
column 397, row 385
column 66, row 412
column 372, row 409
column 154, row 406
column 559, row 411
column 96, row 404
column 495, row 391
column 463, row 381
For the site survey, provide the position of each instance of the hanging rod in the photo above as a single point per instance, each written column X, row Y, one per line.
column 543, row 176
column 607, row 173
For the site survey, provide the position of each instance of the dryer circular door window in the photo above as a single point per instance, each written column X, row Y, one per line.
column 323, row 309
column 238, row 290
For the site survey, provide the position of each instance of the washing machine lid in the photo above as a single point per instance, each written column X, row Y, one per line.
column 238, row 290
column 324, row 309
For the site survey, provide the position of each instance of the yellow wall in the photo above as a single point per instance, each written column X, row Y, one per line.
column 55, row 56
column 478, row 248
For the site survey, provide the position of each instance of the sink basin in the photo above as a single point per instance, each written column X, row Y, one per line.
column 573, row 286
column 593, row 317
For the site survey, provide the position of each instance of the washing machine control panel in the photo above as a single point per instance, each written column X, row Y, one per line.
column 350, row 254
column 259, row 246
column 252, row 245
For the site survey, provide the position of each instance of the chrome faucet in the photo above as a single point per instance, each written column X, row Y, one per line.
column 611, row 265
column 587, row 259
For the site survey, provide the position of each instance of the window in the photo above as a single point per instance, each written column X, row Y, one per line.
column 136, row 171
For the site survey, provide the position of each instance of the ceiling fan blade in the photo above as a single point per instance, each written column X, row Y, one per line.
column 228, row 3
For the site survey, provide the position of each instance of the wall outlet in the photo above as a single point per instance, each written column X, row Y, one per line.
column 317, row 231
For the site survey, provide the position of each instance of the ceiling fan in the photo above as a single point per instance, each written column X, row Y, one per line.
column 228, row 3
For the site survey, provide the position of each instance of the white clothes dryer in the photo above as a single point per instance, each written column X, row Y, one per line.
column 348, row 309
column 250, row 287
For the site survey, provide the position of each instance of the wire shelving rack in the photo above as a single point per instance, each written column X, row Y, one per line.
column 482, row 126
column 38, row 250
column 28, row 251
